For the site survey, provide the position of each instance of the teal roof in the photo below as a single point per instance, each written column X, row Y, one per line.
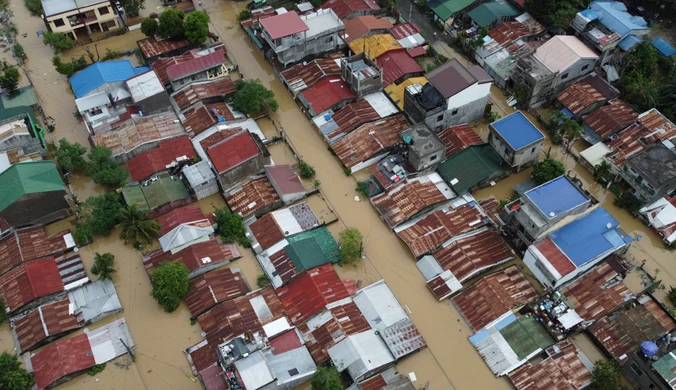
column 666, row 367
column 470, row 167
column 163, row 191
column 525, row 336
column 133, row 195
column 327, row 247
column 28, row 178
column 24, row 97
column 487, row 13
column 444, row 9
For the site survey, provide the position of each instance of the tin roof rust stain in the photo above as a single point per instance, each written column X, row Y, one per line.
column 508, row 32
column 251, row 197
column 194, row 256
column 303, row 76
column 151, row 47
column 579, row 96
column 491, row 206
column 492, row 296
column 214, row 287
column 157, row 159
column 352, row 116
column 458, row 138
column 233, row 151
column 266, row 231
column 28, row 244
column 53, row 319
column 610, row 119
column 193, row 93
column 555, row 257
column 407, row 200
column 30, row 281
column 658, row 125
column 62, row 358
column 200, row 117
column 190, row 214
column 627, row 144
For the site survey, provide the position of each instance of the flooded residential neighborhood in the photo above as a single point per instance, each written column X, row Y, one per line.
column 514, row 207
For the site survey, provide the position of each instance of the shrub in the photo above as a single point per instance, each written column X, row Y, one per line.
column 96, row 369
column 112, row 54
column 263, row 281
column 672, row 295
column 231, row 227
column 60, row 42
column 20, row 53
column 170, row 284
column 547, row 170
column 362, row 189
column 196, row 27
column 306, row 170
column 245, row 14
column 34, row 7
column 12, row 375
column 252, row 96
column 628, row 202
column 171, row 24
column 350, row 246
column 149, row 27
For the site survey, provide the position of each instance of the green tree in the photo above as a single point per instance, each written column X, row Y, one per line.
column 69, row 68
column 170, row 284
column 10, row 79
column 628, row 201
column 171, row 24
column 98, row 213
column 672, row 295
column 306, row 170
column 149, row 27
column 19, row 51
column 132, row 7
column 547, row 170
column 350, row 246
column 262, row 281
column 606, row 375
column 104, row 266
column 69, row 156
column 244, row 14
column 60, row 42
column 251, row 96
column 12, row 375
column 326, row 379
column 34, row 7
column 542, row 10
column 3, row 312
column 231, row 228
column 103, row 169
column 196, row 26
column 603, row 172
column 667, row 100
column 136, row 226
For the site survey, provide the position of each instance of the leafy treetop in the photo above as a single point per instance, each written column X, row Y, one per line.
column 326, row 379
column 350, row 246
column 10, row 79
column 149, row 27
column 606, row 375
column 547, row 170
column 170, row 284
column 103, row 265
column 196, row 26
column 231, row 228
column 251, row 96
column 171, row 24
column 59, row 41
column 12, row 375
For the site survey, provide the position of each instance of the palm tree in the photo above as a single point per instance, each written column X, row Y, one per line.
column 572, row 130
column 602, row 172
column 136, row 225
column 103, row 265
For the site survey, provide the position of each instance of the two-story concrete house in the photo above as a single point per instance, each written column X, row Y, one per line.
column 206, row 65
column 541, row 209
column 652, row 173
column 555, row 65
column 425, row 149
column 79, row 18
column 292, row 37
column 575, row 248
column 516, row 140
column 454, row 95
column 237, row 158
column 608, row 28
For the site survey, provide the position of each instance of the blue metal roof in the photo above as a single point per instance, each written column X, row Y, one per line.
column 556, row 196
column 588, row 237
column 100, row 73
column 629, row 42
column 589, row 14
column 663, row 47
column 517, row 130
column 615, row 17
column 567, row 113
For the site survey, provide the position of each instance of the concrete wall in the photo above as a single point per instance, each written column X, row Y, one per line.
column 37, row 209
column 199, row 76
column 547, row 88
column 24, row 141
column 535, row 231
column 520, row 159
column 457, row 115
column 306, row 48
column 240, row 173
column 95, row 8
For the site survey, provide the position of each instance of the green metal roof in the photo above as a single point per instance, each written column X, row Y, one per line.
column 665, row 367
column 444, row 9
column 134, row 195
column 525, row 336
column 306, row 254
column 163, row 191
column 28, row 178
column 470, row 167
column 25, row 97
column 323, row 238
column 487, row 13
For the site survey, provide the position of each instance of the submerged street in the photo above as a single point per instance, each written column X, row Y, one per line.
column 448, row 362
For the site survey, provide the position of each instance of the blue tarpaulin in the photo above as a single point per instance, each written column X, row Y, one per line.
column 663, row 47
column 649, row 348
column 629, row 42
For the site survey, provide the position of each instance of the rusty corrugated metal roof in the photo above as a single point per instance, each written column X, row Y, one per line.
column 266, row 231
column 30, row 281
column 53, row 319
column 492, row 296
column 579, row 96
column 138, row 131
column 190, row 214
column 508, row 32
column 193, row 93
column 627, row 144
column 201, row 117
column 597, row 293
column 437, row 227
column 302, row 76
column 62, row 358
column 457, row 138
column 10, row 254
column 659, row 127
column 160, row 66
column 251, row 197
column 151, row 47
column 491, row 206
column 194, row 255
column 555, row 257
column 34, row 242
column 157, row 159
column 352, row 116
column 214, row 287
column 608, row 120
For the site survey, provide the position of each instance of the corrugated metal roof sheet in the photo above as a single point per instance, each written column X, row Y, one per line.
column 347, row 119
column 472, row 168
column 396, row 64
column 252, row 196
column 579, row 96
column 302, row 76
column 266, row 231
column 508, row 32
column 308, row 293
column 597, row 293
column 213, row 288
column 190, row 214
column 193, row 93
column 343, row 8
column 411, row 197
column 623, row 332
column 200, row 117
column 608, row 120
column 451, row 78
column 359, row 26
column 492, row 296
column 457, row 138
column 139, row 131
column 31, row 243
column 194, row 256
column 627, row 144
column 325, row 94
column 285, row 180
column 555, row 257
column 659, row 127
column 369, row 140
column 50, row 320
column 162, row 64
column 30, row 281
column 396, row 92
column 283, row 25
column 375, row 45
column 197, row 64
column 157, row 159
column 402, row 338
column 491, row 207
column 437, row 227
column 62, row 358
column 233, row 151
column 151, row 47
column 361, row 353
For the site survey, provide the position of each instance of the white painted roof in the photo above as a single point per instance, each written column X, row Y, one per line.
column 287, row 222
column 360, row 353
column 52, row 7
column 381, row 104
column 562, row 51
column 107, row 341
column 379, row 305
column 92, row 101
column 594, row 154
column 144, row 86
column 254, row 371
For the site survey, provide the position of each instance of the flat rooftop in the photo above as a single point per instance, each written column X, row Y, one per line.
column 321, row 21
column 556, row 197
column 517, row 130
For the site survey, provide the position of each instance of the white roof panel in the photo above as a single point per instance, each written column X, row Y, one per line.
column 92, row 101
column 287, row 222
column 144, row 86
column 381, row 104
column 379, row 305
column 254, row 371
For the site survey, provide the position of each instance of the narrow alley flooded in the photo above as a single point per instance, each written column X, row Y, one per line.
column 449, row 362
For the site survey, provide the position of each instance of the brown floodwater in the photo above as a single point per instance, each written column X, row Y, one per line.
column 449, row 362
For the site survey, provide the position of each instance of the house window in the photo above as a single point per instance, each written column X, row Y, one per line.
column 585, row 67
column 455, row 111
column 564, row 76
column 104, row 11
column 330, row 39
column 433, row 158
column 58, row 22
column 111, row 24
column 96, row 111
column 440, row 118
column 533, row 150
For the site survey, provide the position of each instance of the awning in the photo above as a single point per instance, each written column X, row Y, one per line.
column 629, row 42
column 570, row 319
column 417, row 51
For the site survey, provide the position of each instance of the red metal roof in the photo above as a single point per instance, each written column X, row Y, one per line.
column 156, row 160
column 302, row 76
column 396, row 64
column 344, row 8
column 193, row 93
column 492, row 296
column 491, row 206
column 193, row 255
column 404, row 30
column 285, row 180
column 508, row 32
column 190, row 214
column 283, row 25
column 579, row 96
column 213, row 378
column 327, row 93
column 202, row 116
column 417, row 51
column 627, row 144
column 458, row 138
column 10, row 254
column 233, row 151
column 266, row 231
column 287, row 341
column 52, row 319
column 62, row 358
column 436, row 228
column 197, row 64
column 597, row 293
column 352, row 116
column 162, row 64
column 252, row 196
column 359, row 26
column 151, row 47
column 29, row 281
column 257, row 14
column 608, row 120
column 310, row 292
column 556, row 258
column 214, row 287
column 283, row 265
column 408, row 199
column 561, row 370
column 468, row 256
column 369, row 140
column 340, row 320
column 658, row 125
column 34, row 242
